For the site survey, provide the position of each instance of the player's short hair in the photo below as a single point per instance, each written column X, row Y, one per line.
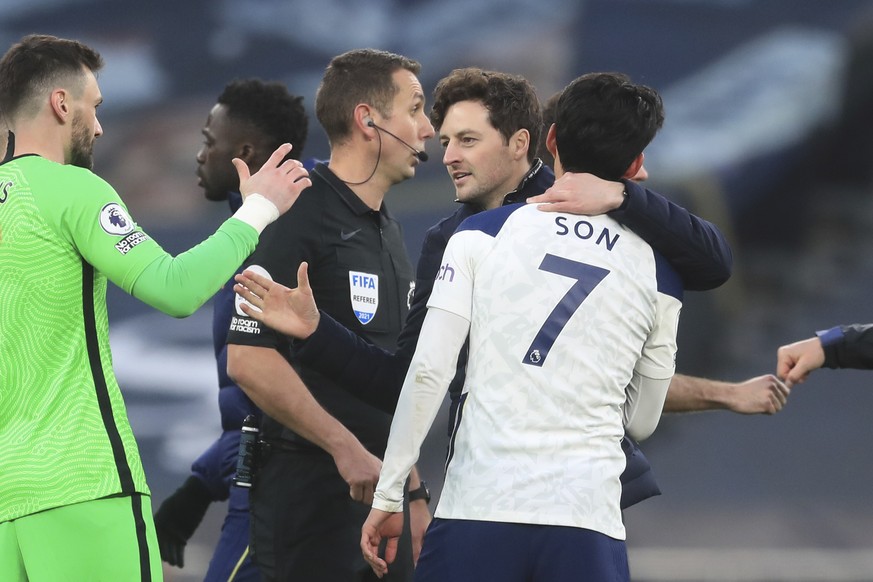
column 603, row 121
column 511, row 101
column 37, row 64
column 274, row 112
column 354, row 77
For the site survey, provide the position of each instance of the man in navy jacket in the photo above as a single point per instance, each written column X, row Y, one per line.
column 490, row 157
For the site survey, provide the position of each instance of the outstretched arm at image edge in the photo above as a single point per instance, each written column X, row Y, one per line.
column 843, row 346
column 848, row 346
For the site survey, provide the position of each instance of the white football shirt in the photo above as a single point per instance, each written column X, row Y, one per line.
column 565, row 313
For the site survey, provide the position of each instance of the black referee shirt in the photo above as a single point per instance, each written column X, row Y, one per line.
column 360, row 274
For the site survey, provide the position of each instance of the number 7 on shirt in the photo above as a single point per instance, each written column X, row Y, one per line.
column 587, row 278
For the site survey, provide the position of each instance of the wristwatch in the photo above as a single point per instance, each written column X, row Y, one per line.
column 421, row 493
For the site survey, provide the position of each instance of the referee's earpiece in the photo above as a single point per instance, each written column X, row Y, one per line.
column 370, row 123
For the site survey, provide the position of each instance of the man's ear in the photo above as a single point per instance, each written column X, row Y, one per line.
column 552, row 141
column 253, row 156
column 363, row 118
column 59, row 99
column 635, row 166
column 246, row 152
column 520, row 144
column 552, row 146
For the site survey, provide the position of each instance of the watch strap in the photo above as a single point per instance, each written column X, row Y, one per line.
column 421, row 493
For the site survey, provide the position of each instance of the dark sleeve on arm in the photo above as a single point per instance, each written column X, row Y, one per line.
column 370, row 373
column 695, row 247
column 848, row 346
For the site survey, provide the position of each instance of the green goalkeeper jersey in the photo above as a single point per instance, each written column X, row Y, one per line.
column 64, row 432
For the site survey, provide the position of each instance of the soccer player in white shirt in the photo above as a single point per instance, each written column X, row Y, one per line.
column 572, row 323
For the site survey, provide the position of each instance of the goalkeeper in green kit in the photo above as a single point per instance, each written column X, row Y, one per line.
column 74, row 504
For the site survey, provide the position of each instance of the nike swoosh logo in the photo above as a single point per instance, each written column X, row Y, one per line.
column 347, row 235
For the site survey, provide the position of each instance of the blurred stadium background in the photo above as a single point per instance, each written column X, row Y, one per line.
column 769, row 134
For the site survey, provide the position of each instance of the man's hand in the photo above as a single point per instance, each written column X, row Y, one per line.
column 580, row 194
column 178, row 517
column 795, row 361
column 289, row 311
column 360, row 469
column 762, row 395
column 277, row 181
column 419, row 520
column 381, row 524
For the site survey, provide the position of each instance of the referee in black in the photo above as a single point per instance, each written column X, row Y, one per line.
column 319, row 467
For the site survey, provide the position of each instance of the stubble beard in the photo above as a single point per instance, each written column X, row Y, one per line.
column 82, row 146
column 479, row 197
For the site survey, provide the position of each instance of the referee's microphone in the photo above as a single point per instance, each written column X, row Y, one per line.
column 421, row 155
